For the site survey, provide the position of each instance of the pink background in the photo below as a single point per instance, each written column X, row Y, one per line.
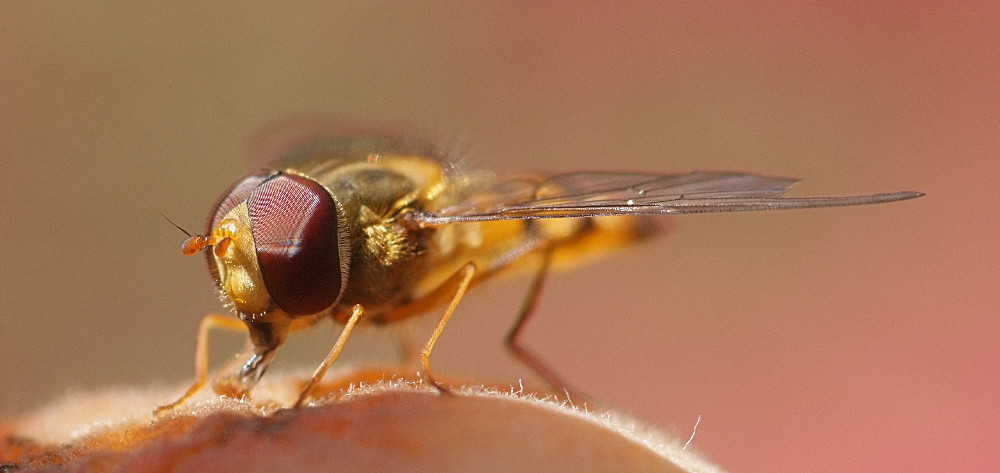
column 859, row 339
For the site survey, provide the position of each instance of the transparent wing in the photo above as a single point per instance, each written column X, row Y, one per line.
column 591, row 194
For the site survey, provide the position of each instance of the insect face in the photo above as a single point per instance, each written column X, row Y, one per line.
column 276, row 249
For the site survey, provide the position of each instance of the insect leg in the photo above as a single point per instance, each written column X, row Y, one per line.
column 331, row 357
column 465, row 278
column 209, row 322
column 513, row 340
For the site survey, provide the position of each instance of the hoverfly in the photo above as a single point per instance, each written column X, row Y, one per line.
column 374, row 227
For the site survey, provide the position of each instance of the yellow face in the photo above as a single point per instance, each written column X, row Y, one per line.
column 235, row 258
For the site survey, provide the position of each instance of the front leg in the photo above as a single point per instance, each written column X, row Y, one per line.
column 208, row 323
column 331, row 357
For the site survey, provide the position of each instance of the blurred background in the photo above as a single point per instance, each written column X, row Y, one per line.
column 853, row 339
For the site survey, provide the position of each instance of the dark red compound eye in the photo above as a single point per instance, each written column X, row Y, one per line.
column 231, row 198
column 294, row 224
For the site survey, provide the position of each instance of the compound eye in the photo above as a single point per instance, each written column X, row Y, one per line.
column 294, row 225
column 236, row 195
